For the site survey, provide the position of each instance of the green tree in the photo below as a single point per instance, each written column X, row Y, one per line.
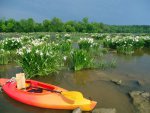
column 47, row 25
column 38, row 27
column 70, row 26
column 30, row 25
column 2, row 25
column 10, row 26
column 57, row 25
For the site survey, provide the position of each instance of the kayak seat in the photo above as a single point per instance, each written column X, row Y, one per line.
column 36, row 87
column 36, row 90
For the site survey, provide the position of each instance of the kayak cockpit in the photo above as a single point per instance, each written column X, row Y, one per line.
column 31, row 83
column 37, row 87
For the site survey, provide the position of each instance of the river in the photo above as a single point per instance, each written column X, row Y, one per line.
column 133, row 71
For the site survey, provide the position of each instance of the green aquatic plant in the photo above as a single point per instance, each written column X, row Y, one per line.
column 12, row 43
column 39, row 60
column 104, row 64
column 4, row 57
column 146, row 40
column 79, row 59
column 65, row 46
column 98, row 36
column 40, row 56
column 126, row 44
column 26, row 39
column 125, row 49
column 87, row 43
column 67, row 36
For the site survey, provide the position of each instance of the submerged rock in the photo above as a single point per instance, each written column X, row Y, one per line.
column 104, row 110
column 141, row 101
column 140, row 82
column 77, row 110
column 118, row 82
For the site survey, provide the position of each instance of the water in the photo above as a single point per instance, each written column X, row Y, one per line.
column 131, row 70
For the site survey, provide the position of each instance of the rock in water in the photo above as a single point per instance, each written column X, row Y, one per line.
column 104, row 110
column 77, row 110
column 141, row 101
column 117, row 82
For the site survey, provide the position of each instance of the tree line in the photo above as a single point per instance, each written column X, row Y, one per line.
column 57, row 25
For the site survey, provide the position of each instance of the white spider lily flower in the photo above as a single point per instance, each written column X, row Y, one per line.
column 68, row 40
column 47, row 54
column 136, row 39
column 2, row 50
column 90, row 40
column 37, row 42
column 19, row 51
column 37, row 51
column 41, row 54
column 51, row 52
column 65, row 58
column 71, row 52
column 28, row 50
column 67, row 35
column 23, row 47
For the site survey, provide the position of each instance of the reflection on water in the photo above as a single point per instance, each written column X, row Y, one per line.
column 81, row 77
column 136, row 67
column 92, row 83
column 7, row 71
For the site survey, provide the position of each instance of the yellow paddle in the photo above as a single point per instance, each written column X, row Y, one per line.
column 73, row 95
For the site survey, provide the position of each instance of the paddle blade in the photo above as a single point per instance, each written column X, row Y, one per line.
column 73, row 95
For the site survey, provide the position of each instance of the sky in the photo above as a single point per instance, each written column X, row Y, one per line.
column 113, row 12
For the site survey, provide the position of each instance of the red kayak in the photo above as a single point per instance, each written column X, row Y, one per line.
column 44, row 95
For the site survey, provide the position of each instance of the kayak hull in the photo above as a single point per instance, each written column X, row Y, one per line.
column 45, row 99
